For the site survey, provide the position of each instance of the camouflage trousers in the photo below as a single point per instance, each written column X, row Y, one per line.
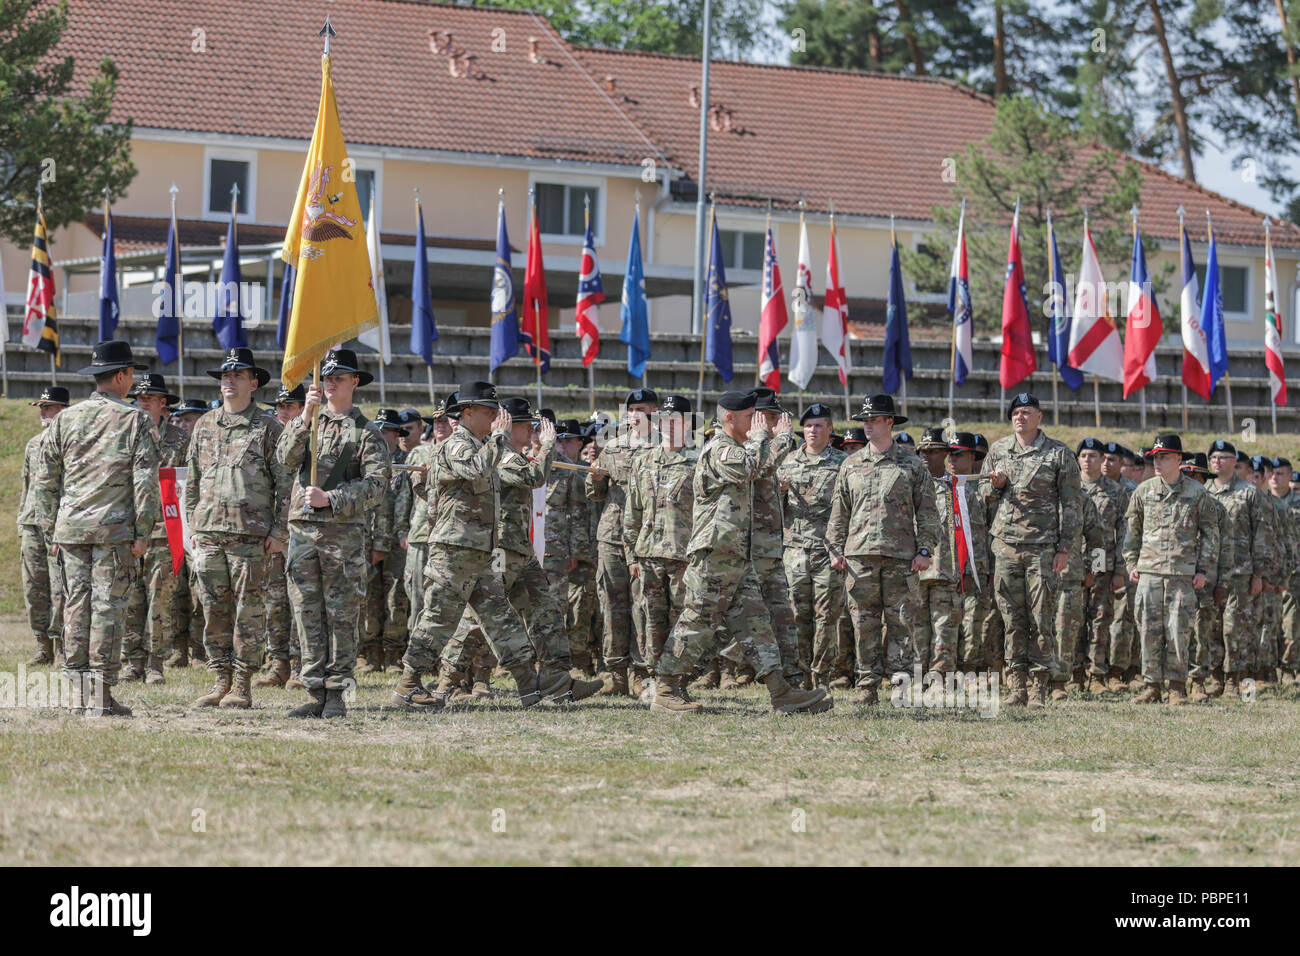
column 152, row 615
column 386, row 606
column 816, row 602
column 614, row 588
column 42, row 577
column 230, row 572
column 417, row 553
column 1098, row 615
column 326, row 567
column 281, row 632
column 776, row 595
column 933, row 623
column 1270, row 631
column 456, row 579
column 721, row 590
column 883, row 594
column 1206, row 653
column 1122, row 627
column 576, row 593
column 529, row 591
column 1290, row 653
column 845, row 642
column 1239, row 625
column 98, row 579
column 973, row 604
column 663, row 591
column 189, row 616
column 1165, row 610
column 1025, row 589
column 1070, row 601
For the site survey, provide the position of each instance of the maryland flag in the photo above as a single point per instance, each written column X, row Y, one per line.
column 40, row 331
column 333, row 296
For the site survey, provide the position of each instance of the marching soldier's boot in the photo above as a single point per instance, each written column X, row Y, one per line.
column 153, row 671
column 1232, row 686
column 411, row 691
column 1177, row 692
column 133, row 671
column 278, row 677
column 1096, row 686
column 636, row 683
column 729, row 681
column 313, row 707
column 671, row 698
column 334, row 706
column 100, row 703
column 527, row 683
column 1042, row 681
column 1115, row 680
column 1134, row 677
column 1018, row 692
column 1059, row 691
column 44, row 653
column 373, row 656
column 617, row 685
column 1150, row 695
column 77, row 697
column 788, row 700
column 843, row 682
column 711, row 677
column 558, row 686
column 1197, row 693
column 220, row 688
column 393, row 659
column 181, row 655
column 1078, row 681
column 240, row 695
column 744, row 675
column 295, row 676
column 1263, row 678
column 867, row 696
column 481, row 682
column 1214, row 686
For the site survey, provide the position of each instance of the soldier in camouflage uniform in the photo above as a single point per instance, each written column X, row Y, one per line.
column 283, row 652
column 807, row 478
column 721, row 584
column 382, row 639
column 975, row 590
column 583, row 599
column 42, row 574
column 1036, row 481
column 97, row 499
column 1209, row 599
column 462, row 571
column 1250, row 551
column 565, row 529
column 1111, row 503
column 607, row 483
column 1119, row 463
column 1173, row 536
column 657, row 515
column 152, row 617
column 985, row 500
column 235, row 508
column 1088, row 558
column 843, row 669
column 327, row 520
column 1289, row 646
column 188, row 642
column 883, row 531
column 938, row 608
column 1265, row 652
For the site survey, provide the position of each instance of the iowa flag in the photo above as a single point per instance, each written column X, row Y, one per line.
column 333, row 299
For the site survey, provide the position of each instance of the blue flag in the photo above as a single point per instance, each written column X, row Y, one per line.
column 228, row 323
column 286, row 304
column 505, row 317
column 423, row 328
column 1058, row 336
column 635, row 332
column 898, row 349
column 717, row 347
column 109, row 307
column 167, row 339
column 1212, row 316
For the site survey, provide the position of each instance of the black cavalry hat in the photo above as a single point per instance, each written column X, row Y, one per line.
column 52, row 395
column 855, row 436
column 1167, row 443
column 877, row 405
column 389, row 418
column 196, row 405
column 817, row 410
column 151, row 383
column 111, row 356
column 296, row 394
column 568, row 428
column 338, row 361
column 519, row 409
column 1197, row 464
column 675, row 403
column 473, row 393
column 963, row 441
column 765, row 400
column 237, row 359
column 932, row 438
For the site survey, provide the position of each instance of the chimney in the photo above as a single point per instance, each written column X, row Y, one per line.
column 694, row 97
column 609, row 83
column 533, row 55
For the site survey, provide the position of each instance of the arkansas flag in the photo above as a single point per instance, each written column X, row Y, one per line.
column 590, row 295
column 1273, row 327
column 773, row 318
column 1196, row 347
column 835, row 311
column 1144, row 329
column 1018, row 360
column 1094, row 340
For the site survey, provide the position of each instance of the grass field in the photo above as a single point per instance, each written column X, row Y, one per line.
column 1086, row 782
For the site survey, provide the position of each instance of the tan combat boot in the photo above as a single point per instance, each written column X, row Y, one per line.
column 1232, row 686
column 181, row 654
column 313, row 707
column 295, row 676
column 1059, row 691
column 1042, row 682
column 558, row 686
column 527, row 684
column 411, row 691
column 481, row 682
column 1177, row 692
column 1149, row 695
column 671, row 698
column 867, row 696
column 711, row 677
column 220, row 688
column 153, row 670
column 1017, row 691
column 1078, row 682
column 617, row 686
column 1096, row 686
column 334, row 705
column 636, row 682
column 77, row 694
column 1135, row 680
column 372, row 659
column 1214, row 686
column 240, row 695
column 44, row 653
column 729, row 680
column 744, row 675
column 1115, row 681
column 788, row 700
column 100, row 703
column 1197, row 693
column 278, row 676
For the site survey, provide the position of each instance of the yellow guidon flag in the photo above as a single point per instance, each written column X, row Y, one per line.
column 333, row 294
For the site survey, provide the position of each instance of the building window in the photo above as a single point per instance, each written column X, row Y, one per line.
column 561, row 208
column 365, row 189
column 222, row 174
column 1234, row 281
column 741, row 250
column 935, row 261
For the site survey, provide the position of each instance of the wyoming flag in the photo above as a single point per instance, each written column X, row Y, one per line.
column 333, row 298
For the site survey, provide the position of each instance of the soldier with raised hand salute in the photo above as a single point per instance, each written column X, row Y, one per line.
column 1036, row 482
column 883, row 531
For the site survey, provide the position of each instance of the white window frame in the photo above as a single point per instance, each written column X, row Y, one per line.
column 376, row 166
column 1251, row 315
column 237, row 156
column 740, row 232
column 598, row 183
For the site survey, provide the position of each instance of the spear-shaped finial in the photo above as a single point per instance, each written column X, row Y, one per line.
column 327, row 31
column 234, row 196
column 173, row 191
column 1267, row 223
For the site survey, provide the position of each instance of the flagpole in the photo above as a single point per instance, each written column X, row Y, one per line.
column 1181, row 236
column 1270, row 268
column 537, row 328
column 1209, row 233
column 1142, row 392
column 173, row 282
column 848, row 349
column 315, row 409
column 1051, row 331
column 952, row 352
column 586, row 224
column 704, row 300
column 758, row 368
column 1096, row 402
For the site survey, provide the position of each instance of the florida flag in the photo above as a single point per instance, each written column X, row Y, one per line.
column 835, row 311
column 1196, row 346
column 1094, row 340
column 773, row 318
column 960, row 307
column 1144, row 328
column 590, row 295
column 1273, row 327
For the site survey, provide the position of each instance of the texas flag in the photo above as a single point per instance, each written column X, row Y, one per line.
column 1196, row 347
column 1144, row 329
column 773, row 318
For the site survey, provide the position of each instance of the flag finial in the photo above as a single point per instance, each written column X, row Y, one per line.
column 234, row 195
column 327, row 31
column 416, row 190
column 1134, row 212
column 636, row 196
column 1267, row 223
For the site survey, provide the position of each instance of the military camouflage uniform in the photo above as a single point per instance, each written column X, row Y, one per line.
column 1250, row 553
column 1123, row 629
column 1071, row 622
column 975, row 597
column 1037, row 516
column 566, row 538
column 1110, row 502
column 588, row 625
column 326, row 561
column 235, row 500
column 152, row 615
column 657, row 516
column 96, row 491
column 386, row 609
column 721, row 584
column 614, row 586
column 934, row 619
column 1290, row 651
column 1206, row 653
column 1173, row 534
column 993, row 630
column 42, row 573
column 816, row 589
column 882, row 516
column 1270, row 631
